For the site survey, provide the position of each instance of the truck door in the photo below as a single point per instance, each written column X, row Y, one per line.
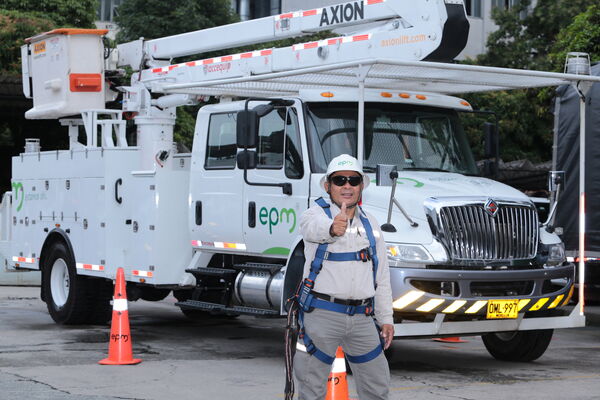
column 271, row 217
column 216, row 183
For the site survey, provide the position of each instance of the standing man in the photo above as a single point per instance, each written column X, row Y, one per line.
column 345, row 298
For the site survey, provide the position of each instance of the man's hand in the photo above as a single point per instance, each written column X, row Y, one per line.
column 387, row 333
column 340, row 223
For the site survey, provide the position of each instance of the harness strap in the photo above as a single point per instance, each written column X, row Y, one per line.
column 365, row 357
column 364, row 255
column 366, row 309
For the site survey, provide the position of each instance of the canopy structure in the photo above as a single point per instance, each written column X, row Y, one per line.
column 434, row 77
column 388, row 74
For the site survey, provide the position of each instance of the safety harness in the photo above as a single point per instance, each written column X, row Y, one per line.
column 306, row 300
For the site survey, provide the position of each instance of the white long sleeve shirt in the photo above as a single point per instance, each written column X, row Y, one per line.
column 348, row 279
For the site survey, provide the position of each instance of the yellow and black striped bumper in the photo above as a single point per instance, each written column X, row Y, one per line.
column 411, row 299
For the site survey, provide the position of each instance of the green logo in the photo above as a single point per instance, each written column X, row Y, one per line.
column 273, row 217
column 345, row 162
column 18, row 194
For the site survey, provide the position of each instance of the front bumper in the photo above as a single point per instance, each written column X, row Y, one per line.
column 409, row 296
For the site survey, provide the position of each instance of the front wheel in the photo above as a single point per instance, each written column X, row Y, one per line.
column 520, row 346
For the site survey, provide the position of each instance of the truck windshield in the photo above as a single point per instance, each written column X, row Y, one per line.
column 410, row 137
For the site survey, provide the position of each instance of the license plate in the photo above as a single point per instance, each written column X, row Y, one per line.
column 498, row 309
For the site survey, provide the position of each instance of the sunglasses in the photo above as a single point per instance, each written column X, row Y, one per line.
column 340, row 180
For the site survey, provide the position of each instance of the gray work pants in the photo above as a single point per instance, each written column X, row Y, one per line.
column 357, row 335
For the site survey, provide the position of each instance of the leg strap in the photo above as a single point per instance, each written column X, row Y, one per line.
column 365, row 357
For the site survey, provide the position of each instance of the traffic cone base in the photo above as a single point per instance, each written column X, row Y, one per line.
column 119, row 346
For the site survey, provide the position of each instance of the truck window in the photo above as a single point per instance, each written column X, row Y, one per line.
column 271, row 130
column 221, row 145
column 293, row 150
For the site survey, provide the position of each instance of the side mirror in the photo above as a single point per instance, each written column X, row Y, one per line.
column 247, row 129
column 385, row 175
column 555, row 179
column 246, row 159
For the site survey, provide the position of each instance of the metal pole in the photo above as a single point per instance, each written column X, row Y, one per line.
column 361, row 73
column 581, row 201
column 361, row 122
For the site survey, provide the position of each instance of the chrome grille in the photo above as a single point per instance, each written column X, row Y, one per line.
column 470, row 233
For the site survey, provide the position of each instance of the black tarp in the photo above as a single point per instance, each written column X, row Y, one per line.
column 568, row 160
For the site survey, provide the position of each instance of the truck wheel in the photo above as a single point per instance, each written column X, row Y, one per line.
column 522, row 346
column 66, row 297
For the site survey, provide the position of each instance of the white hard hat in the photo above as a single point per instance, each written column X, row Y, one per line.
column 344, row 162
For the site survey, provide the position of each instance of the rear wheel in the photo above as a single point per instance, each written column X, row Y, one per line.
column 520, row 346
column 73, row 299
column 66, row 297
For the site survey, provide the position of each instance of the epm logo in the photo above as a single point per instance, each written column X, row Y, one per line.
column 273, row 217
column 343, row 13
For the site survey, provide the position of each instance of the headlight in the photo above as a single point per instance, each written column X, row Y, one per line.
column 556, row 254
column 399, row 254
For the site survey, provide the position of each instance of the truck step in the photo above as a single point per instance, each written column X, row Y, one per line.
column 271, row 268
column 224, row 272
column 222, row 309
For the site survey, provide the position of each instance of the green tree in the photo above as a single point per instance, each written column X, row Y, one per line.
column 158, row 18
column 64, row 13
column 525, row 39
column 582, row 35
column 20, row 19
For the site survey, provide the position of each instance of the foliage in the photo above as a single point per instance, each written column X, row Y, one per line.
column 158, row 18
column 582, row 35
column 64, row 13
column 15, row 26
column 525, row 40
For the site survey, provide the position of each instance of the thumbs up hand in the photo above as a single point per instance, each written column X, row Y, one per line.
column 340, row 223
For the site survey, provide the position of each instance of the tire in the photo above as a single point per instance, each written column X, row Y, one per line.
column 521, row 346
column 66, row 297
column 74, row 299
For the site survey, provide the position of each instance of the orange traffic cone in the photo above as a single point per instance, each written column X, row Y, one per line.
column 450, row 340
column 337, row 386
column 119, row 346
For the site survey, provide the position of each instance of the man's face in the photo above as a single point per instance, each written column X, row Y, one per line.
column 347, row 193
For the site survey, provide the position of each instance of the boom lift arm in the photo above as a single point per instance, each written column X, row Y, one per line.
column 442, row 22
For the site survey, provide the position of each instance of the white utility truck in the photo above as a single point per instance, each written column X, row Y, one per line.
column 218, row 227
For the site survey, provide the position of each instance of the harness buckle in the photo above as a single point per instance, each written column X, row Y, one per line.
column 365, row 254
column 310, row 348
column 350, row 310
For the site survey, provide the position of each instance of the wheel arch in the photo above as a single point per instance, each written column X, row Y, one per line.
column 54, row 236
